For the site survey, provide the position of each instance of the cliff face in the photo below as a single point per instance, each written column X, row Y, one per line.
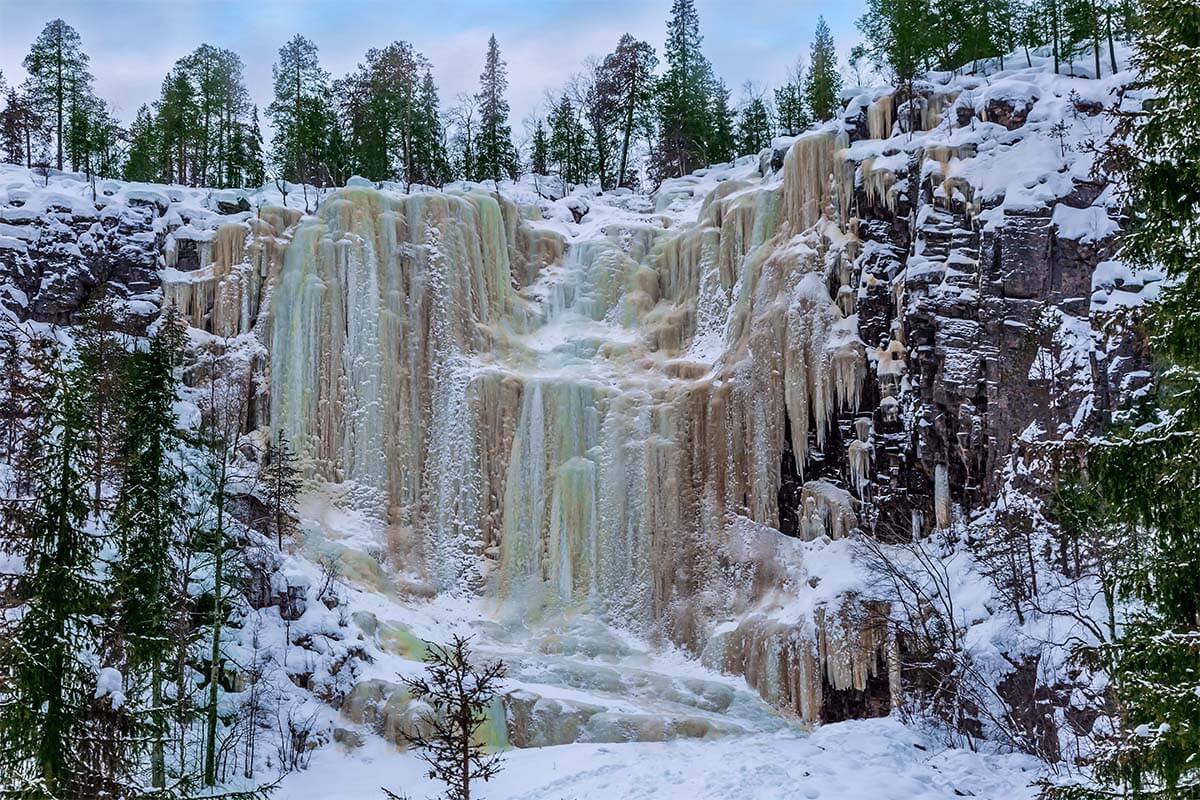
column 670, row 417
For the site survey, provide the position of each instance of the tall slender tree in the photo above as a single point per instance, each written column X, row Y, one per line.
column 823, row 83
column 685, row 97
column 58, row 70
column 299, row 112
column 495, row 155
column 1146, row 474
column 626, row 82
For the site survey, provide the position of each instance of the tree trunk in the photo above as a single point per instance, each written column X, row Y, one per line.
column 214, row 669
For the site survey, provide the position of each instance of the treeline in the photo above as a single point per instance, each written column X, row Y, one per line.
column 132, row 544
column 615, row 121
column 627, row 115
column 905, row 37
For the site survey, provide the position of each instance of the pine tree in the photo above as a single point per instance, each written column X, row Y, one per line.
column 626, row 82
column 495, row 156
column 58, row 70
column 50, row 687
column 823, row 84
column 685, row 97
column 1146, row 473
column 754, row 126
column 299, row 112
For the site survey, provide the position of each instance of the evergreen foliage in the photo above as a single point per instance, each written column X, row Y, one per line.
column 495, row 155
column 301, row 114
column 1145, row 474
column 50, row 683
column 685, row 98
column 626, row 82
column 59, row 81
column 460, row 695
column 823, row 84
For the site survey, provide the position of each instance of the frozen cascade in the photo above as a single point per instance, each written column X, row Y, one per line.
column 588, row 425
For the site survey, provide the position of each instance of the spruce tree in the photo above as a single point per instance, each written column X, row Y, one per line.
column 722, row 136
column 1146, row 473
column 685, row 98
column 823, row 84
column 58, row 70
column 539, row 150
column 51, row 682
column 495, row 156
column 146, row 518
column 281, row 485
column 791, row 105
column 568, row 144
column 141, row 163
column 754, row 126
column 22, row 129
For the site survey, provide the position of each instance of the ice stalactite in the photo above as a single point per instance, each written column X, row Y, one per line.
column 941, row 496
column 880, row 117
column 814, row 176
column 859, row 456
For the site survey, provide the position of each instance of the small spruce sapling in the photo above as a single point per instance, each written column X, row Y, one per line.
column 459, row 694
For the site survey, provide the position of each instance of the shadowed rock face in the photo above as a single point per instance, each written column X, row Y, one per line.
column 61, row 255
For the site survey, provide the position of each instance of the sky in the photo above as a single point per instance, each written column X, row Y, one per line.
column 133, row 43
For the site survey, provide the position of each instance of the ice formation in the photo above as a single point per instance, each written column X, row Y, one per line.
column 564, row 422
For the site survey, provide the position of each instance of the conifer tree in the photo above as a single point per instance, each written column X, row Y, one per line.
column 22, row 129
column 754, row 126
column 101, row 356
column 495, row 156
column 1145, row 475
column 52, row 682
column 791, row 105
column 568, row 144
column 823, row 84
column 722, row 139
column 141, row 162
column 299, row 112
column 58, row 70
column 146, row 518
column 685, row 97
column 539, row 150
column 626, row 82
column 280, row 479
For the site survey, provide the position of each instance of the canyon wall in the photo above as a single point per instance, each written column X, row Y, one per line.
column 665, row 417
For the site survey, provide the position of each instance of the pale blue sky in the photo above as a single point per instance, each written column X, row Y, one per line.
column 133, row 43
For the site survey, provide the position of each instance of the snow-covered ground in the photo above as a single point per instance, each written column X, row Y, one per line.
column 877, row 759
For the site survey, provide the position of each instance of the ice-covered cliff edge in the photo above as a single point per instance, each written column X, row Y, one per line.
column 670, row 414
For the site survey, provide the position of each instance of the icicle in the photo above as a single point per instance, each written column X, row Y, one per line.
column 880, row 117
column 941, row 496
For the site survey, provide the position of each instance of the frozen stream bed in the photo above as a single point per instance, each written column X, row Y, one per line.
column 604, row 716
